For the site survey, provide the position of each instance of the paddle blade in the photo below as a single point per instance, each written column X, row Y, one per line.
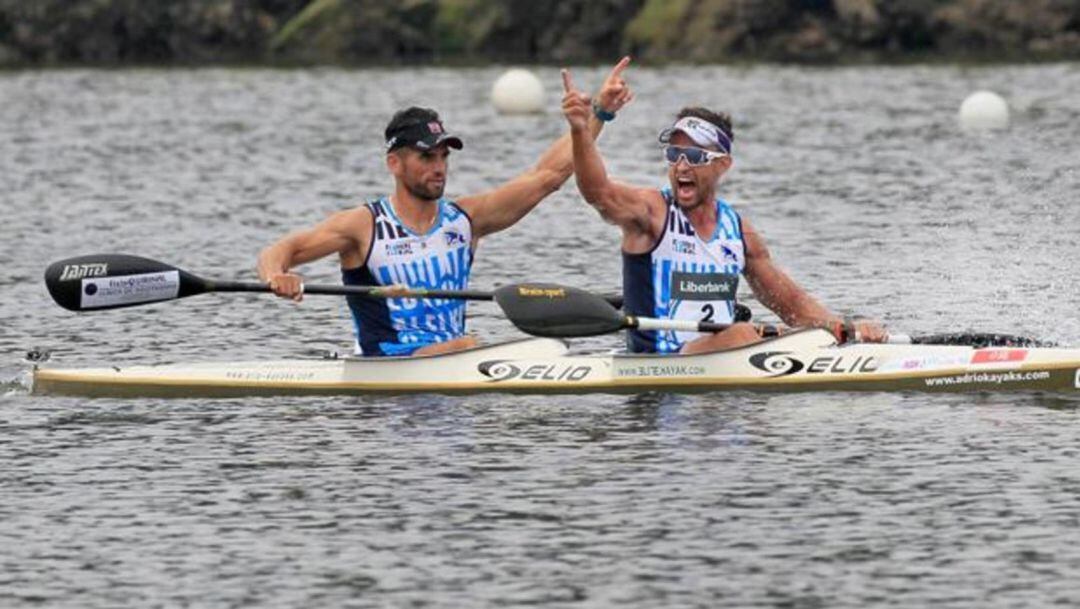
column 111, row 281
column 546, row 309
column 980, row 340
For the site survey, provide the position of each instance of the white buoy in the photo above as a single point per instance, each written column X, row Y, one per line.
column 518, row 92
column 984, row 110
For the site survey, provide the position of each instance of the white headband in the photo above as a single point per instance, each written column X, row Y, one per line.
column 701, row 131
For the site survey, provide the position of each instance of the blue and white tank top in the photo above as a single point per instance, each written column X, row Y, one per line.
column 684, row 277
column 438, row 259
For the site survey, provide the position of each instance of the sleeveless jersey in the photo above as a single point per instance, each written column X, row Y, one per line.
column 438, row 259
column 684, row 277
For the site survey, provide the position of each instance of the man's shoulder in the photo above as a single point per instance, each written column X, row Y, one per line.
column 362, row 213
column 657, row 200
column 453, row 207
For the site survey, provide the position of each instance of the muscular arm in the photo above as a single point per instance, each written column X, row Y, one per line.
column 345, row 232
column 499, row 209
column 625, row 206
column 502, row 207
column 776, row 290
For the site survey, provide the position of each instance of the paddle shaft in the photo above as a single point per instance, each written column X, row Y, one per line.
column 678, row 325
column 351, row 290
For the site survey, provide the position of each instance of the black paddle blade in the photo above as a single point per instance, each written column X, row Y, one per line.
column 111, row 281
column 547, row 309
column 980, row 340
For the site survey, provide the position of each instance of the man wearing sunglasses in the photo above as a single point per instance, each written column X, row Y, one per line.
column 683, row 247
column 417, row 238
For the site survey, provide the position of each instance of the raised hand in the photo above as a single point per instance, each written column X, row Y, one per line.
column 576, row 106
column 614, row 92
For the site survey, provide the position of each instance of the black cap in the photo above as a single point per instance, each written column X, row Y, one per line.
column 422, row 135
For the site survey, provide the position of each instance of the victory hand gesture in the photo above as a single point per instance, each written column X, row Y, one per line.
column 576, row 106
column 614, row 92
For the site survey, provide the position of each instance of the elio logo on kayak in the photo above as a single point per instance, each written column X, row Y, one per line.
column 502, row 370
column 82, row 271
column 781, row 363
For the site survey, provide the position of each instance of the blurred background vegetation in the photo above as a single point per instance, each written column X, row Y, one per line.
column 108, row 32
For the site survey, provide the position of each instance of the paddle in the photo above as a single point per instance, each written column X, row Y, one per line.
column 544, row 309
column 548, row 309
column 978, row 340
column 110, row 281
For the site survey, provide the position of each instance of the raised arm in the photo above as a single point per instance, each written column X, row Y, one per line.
column 502, row 207
column 345, row 232
column 625, row 206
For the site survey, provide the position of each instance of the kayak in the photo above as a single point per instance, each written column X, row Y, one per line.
column 804, row 360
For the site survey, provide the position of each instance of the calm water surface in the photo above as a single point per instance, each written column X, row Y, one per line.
column 859, row 178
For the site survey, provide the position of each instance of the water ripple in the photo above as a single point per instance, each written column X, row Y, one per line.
column 858, row 177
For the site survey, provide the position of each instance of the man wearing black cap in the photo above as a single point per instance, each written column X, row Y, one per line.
column 416, row 238
column 684, row 248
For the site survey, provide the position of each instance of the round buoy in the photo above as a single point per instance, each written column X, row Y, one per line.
column 518, row 92
column 984, row 110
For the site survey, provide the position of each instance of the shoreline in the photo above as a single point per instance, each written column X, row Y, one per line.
column 347, row 33
column 742, row 62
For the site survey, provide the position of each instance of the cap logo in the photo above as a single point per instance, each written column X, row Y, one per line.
column 702, row 132
column 434, row 127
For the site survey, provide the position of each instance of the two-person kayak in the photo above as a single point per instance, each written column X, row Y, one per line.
column 807, row 360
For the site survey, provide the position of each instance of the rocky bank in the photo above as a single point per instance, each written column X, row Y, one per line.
column 111, row 32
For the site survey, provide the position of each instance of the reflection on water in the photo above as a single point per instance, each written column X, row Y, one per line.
column 859, row 179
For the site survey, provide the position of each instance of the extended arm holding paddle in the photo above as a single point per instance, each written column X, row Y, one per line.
column 780, row 293
column 344, row 233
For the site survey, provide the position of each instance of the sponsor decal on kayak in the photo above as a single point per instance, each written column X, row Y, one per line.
column 780, row 363
column 704, row 286
column 502, row 370
column 988, row 378
column 998, row 356
column 269, row 375
column 659, row 370
column 82, row 271
column 911, row 364
column 129, row 289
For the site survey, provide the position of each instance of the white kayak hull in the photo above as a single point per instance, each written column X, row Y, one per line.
column 803, row 361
